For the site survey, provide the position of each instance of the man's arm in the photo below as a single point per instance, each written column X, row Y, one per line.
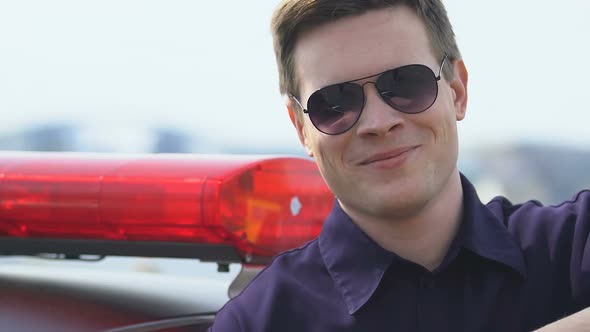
column 579, row 321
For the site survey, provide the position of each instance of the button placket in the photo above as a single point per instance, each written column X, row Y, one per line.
column 426, row 290
column 427, row 282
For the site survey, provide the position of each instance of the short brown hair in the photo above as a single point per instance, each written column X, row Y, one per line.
column 292, row 17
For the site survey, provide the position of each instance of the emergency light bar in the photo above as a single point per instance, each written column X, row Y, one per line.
column 217, row 208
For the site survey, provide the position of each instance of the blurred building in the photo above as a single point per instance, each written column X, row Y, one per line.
column 549, row 174
column 43, row 138
column 76, row 138
column 168, row 140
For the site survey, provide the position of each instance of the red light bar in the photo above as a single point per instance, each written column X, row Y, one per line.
column 259, row 205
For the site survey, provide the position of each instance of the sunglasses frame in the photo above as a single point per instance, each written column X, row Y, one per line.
column 436, row 77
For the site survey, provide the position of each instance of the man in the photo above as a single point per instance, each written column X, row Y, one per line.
column 375, row 91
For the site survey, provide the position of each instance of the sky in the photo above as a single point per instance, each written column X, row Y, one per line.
column 207, row 67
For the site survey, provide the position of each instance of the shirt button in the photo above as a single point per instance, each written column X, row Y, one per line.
column 427, row 282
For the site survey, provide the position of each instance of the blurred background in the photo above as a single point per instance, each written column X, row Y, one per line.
column 187, row 76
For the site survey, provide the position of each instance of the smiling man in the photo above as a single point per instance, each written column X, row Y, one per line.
column 375, row 90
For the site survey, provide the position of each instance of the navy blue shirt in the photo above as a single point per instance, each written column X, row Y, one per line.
column 509, row 268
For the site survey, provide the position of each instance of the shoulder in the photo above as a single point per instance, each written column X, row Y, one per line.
column 553, row 240
column 277, row 291
column 535, row 216
column 286, row 269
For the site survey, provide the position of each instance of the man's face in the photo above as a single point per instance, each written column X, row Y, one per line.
column 420, row 149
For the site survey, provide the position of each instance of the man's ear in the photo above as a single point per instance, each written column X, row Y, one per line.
column 297, row 121
column 459, row 87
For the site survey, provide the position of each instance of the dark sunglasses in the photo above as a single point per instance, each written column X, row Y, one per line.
column 410, row 89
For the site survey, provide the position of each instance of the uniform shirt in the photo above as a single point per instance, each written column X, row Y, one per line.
column 509, row 268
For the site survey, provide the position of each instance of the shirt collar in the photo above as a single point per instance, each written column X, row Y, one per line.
column 484, row 234
column 357, row 264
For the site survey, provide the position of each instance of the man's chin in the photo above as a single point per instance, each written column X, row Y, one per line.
column 388, row 204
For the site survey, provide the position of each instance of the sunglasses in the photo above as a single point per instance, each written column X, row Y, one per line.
column 336, row 108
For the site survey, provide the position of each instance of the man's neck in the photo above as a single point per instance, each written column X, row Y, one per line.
column 423, row 238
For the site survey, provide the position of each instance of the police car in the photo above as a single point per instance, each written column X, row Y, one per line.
column 62, row 214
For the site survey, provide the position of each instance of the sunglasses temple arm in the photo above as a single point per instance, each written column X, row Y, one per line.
column 298, row 103
column 442, row 65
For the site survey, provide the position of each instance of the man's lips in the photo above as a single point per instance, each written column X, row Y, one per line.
column 386, row 155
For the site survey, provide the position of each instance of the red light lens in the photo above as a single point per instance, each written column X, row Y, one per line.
column 259, row 205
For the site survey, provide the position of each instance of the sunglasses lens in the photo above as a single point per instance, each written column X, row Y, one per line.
column 409, row 89
column 336, row 108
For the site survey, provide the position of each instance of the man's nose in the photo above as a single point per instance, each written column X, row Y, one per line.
column 377, row 118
